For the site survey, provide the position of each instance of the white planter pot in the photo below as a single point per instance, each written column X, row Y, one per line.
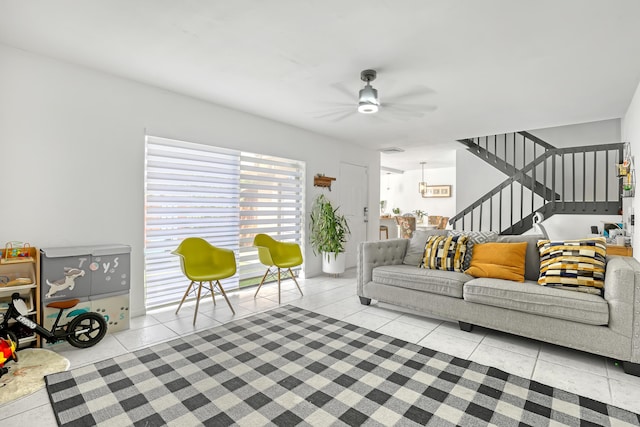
column 333, row 265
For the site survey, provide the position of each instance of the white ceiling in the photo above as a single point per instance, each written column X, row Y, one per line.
column 487, row 65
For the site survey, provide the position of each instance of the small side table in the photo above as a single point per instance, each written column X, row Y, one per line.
column 619, row 250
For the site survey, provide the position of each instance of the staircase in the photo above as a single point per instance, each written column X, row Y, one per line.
column 509, row 153
column 541, row 178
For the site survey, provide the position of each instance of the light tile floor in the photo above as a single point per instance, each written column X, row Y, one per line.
column 575, row 371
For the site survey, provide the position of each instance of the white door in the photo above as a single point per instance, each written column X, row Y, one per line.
column 354, row 189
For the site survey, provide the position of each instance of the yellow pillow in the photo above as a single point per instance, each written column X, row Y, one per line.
column 498, row 261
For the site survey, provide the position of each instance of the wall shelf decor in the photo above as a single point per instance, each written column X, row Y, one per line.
column 322, row 181
column 626, row 172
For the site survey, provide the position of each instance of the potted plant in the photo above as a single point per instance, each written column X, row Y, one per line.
column 383, row 207
column 329, row 231
column 420, row 214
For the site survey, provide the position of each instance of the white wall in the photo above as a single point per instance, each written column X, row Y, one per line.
column 601, row 132
column 401, row 191
column 72, row 150
column 474, row 177
column 563, row 227
column 631, row 133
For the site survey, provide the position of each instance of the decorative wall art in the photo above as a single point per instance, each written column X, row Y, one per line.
column 438, row 191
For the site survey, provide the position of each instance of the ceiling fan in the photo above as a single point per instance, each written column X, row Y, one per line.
column 368, row 102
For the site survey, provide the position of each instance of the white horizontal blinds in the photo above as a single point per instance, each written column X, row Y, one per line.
column 271, row 201
column 192, row 190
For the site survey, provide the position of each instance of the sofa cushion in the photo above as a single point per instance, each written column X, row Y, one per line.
column 532, row 260
column 529, row 297
column 415, row 251
column 499, row 261
column 579, row 263
column 473, row 238
column 440, row 282
column 444, row 253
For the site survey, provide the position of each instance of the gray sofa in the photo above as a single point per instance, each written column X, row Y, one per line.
column 608, row 326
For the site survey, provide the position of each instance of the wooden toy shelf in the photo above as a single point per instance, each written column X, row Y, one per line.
column 22, row 275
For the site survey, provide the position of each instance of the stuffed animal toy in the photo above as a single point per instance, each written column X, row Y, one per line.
column 7, row 352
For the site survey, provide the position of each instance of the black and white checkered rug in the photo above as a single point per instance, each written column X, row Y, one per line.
column 289, row 366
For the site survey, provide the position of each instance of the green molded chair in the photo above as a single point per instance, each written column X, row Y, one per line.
column 202, row 262
column 281, row 255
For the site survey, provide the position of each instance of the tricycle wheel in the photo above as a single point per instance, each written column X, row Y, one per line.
column 86, row 330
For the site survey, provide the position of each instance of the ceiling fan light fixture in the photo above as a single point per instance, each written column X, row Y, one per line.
column 367, row 108
column 368, row 100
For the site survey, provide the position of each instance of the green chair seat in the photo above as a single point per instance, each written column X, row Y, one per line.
column 281, row 255
column 202, row 262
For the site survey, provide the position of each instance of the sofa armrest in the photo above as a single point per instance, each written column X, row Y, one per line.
column 622, row 292
column 377, row 253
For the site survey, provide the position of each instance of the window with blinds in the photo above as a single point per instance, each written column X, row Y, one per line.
column 270, row 202
column 221, row 195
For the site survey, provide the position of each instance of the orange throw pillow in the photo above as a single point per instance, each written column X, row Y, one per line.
column 498, row 261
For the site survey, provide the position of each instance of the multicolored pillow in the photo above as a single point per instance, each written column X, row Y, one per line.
column 473, row 238
column 444, row 253
column 573, row 263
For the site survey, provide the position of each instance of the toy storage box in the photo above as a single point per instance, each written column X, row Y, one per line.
column 114, row 308
column 64, row 274
column 89, row 273
column 49, row 316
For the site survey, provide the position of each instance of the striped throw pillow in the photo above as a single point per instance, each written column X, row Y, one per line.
column 474, row 238
column 444, row 253
column 573, row 263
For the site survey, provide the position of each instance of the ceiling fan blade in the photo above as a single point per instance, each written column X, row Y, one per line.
column 411, row 107
column 334, row 105
column 380, row 118
column 416, row 91
column 401, row 112
column 344, row 116
column 332, row 112
column 340, row 87
column 401, row 116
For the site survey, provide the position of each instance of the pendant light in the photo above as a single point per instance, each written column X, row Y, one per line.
column 422, row 185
